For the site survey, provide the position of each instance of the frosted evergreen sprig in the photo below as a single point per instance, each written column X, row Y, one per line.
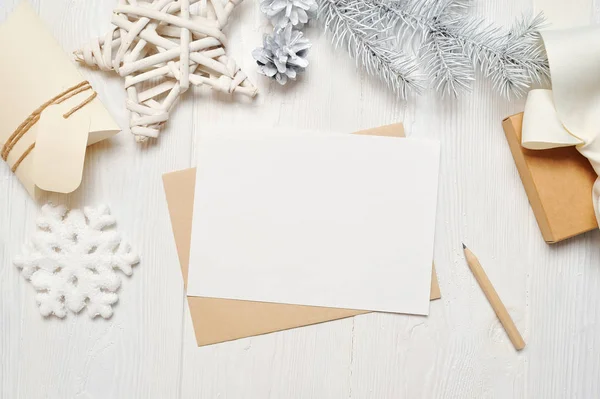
column 352, row 29
column 449, row 43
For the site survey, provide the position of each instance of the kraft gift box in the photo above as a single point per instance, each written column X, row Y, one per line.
column 558, row 183
column 218, row 320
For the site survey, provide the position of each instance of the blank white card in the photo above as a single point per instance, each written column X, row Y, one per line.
column 344, row 221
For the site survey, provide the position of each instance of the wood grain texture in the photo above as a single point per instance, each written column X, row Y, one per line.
column 137, row 353
column 147, row 350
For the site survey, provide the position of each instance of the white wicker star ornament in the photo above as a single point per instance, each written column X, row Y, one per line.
column 160, row 47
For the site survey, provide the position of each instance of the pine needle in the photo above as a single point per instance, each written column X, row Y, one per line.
column 353, row 30
column 447, row 43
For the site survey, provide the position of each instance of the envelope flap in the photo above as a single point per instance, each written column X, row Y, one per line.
column 179, row 189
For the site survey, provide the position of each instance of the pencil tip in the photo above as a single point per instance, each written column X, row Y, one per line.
column 464, row 246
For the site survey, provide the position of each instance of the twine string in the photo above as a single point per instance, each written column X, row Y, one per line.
column 34, row 117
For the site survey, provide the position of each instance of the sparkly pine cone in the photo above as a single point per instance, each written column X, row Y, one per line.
column 283, row 54
column 282, row 12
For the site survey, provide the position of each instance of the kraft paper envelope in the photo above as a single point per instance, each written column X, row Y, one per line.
column 34, row 70
column 218, row 320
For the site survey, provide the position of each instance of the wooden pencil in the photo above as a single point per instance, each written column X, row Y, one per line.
column 494, row 300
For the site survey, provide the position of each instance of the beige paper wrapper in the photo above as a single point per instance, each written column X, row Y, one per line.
column 35, row 69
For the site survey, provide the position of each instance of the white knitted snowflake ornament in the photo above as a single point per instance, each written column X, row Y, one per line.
column 72, row 260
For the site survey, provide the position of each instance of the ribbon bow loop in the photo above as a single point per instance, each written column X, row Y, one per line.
column 569, row 114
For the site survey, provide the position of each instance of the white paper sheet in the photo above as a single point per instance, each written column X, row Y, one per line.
column 339, row 221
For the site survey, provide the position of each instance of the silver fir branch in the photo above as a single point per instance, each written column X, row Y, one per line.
column 447, row 43
column 350, row 28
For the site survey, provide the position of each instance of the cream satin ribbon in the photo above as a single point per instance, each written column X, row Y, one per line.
column 569, row 114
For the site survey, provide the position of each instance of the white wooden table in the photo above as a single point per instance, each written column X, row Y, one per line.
column 147, row 349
